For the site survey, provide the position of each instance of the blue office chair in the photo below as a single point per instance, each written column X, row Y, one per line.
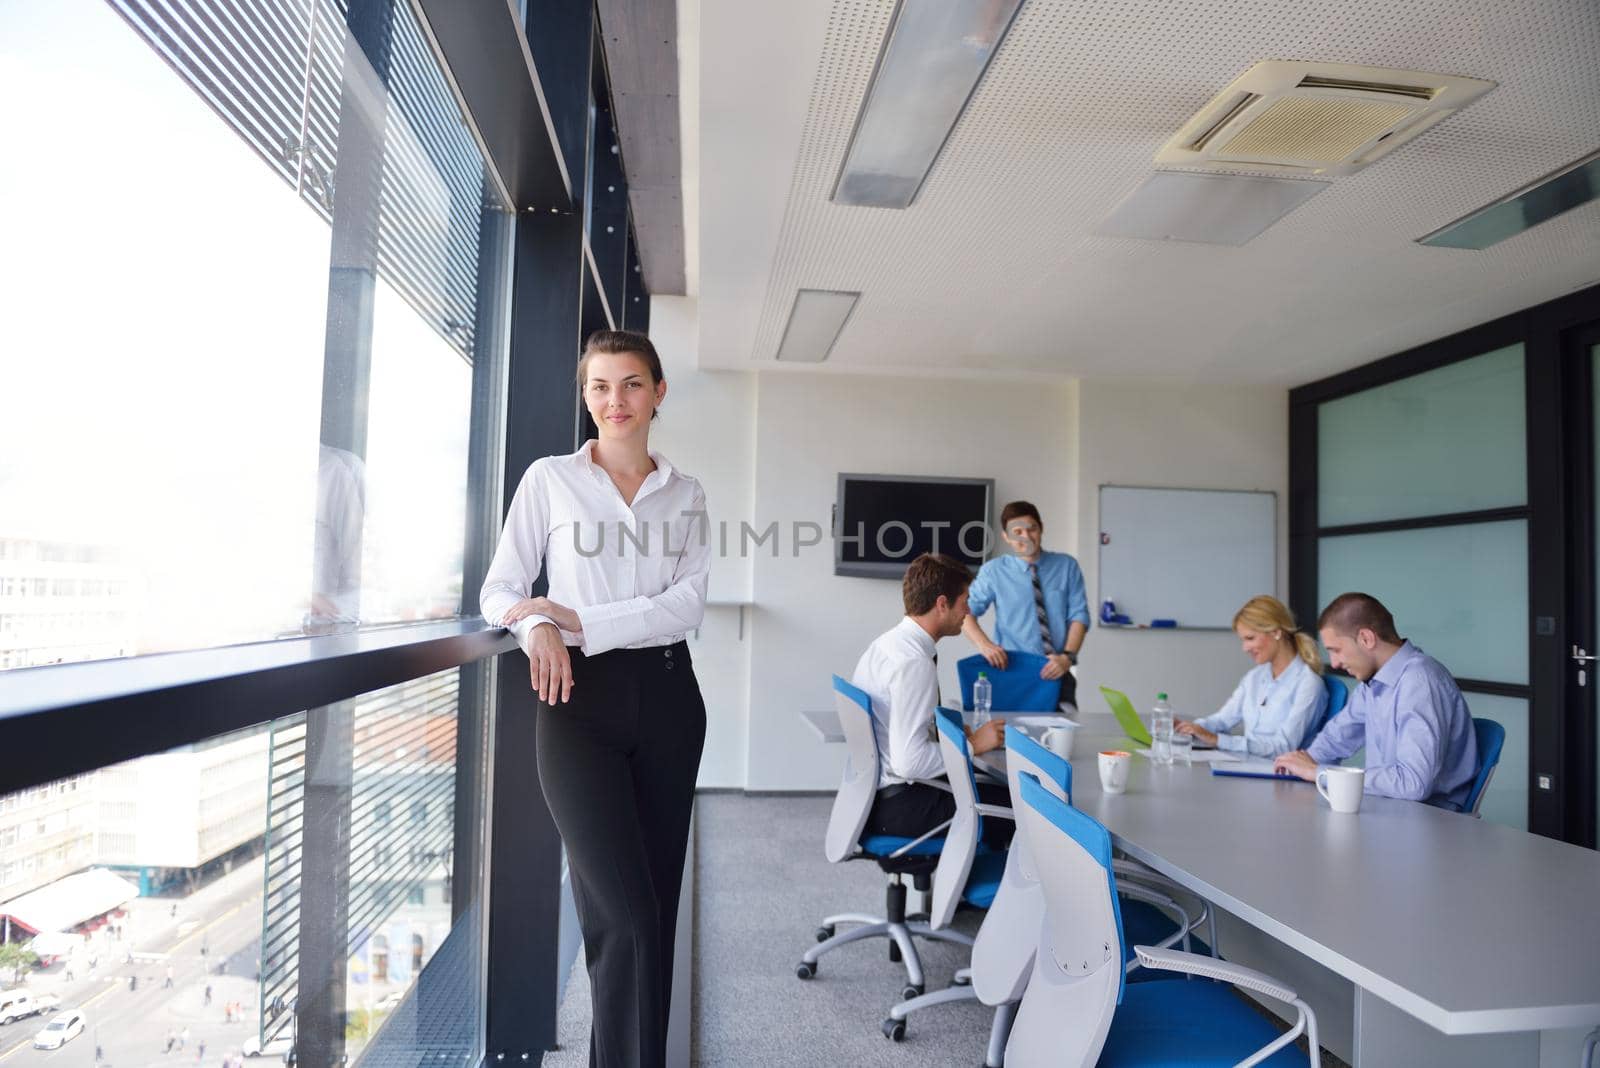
column 1338, row 697
column 1005, row 884
column 1491, row 738
column 897, row 856
column 1077, row 1009
column 1016, row 689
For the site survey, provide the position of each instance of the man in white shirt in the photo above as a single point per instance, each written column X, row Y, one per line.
column 899, row 672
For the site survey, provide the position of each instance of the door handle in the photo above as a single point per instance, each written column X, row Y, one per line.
column 1581, row 656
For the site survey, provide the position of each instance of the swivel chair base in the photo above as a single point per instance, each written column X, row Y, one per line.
column 896, row 926
column 894, row 1028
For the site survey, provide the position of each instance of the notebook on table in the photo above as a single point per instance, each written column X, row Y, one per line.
column 1254, row 768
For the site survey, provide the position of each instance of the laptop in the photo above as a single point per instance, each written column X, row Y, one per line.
column 1122, row 708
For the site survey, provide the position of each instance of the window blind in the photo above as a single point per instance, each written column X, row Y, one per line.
column 273, row 70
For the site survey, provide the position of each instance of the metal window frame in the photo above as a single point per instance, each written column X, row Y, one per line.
column 75, row 718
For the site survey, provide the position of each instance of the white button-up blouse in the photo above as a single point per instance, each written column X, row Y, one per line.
column 635, row 575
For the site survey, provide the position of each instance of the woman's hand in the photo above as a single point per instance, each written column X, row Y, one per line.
column 549, row 664
column 1204, row 736
column 994, row 654
column 559, row 614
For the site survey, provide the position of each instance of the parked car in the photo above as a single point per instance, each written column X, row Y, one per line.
column 277, row 1046
column 17, row 1004
column 60, row 1031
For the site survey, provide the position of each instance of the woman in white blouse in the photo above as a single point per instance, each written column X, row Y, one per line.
column 1279, row 700
column 621, row 538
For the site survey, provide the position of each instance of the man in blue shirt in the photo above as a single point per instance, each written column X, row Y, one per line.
column 1040, row 604
column 1408, row 712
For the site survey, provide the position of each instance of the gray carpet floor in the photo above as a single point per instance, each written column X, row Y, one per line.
column 762, row 887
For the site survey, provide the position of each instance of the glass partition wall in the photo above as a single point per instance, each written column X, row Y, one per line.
column 1433, row 481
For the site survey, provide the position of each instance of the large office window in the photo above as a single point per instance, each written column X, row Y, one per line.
column 257, row 366
column 252, row 261
column 1421, row 502
column 238, row 896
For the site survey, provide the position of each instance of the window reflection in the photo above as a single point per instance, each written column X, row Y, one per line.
column 245, row 447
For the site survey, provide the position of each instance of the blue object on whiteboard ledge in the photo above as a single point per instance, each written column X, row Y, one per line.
column 1163, row 623
column 1110, row 615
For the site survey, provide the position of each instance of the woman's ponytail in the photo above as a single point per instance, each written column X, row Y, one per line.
column 1306, row 646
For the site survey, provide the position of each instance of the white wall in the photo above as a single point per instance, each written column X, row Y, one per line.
column 707, row 428
column 1187, row 436
column 809, row 623
column 768, row 448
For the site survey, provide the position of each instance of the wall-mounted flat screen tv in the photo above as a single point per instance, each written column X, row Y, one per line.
column 883, row 522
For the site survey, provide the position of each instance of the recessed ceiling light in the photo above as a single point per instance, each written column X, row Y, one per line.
column 1572, row 186
column 932, row 59
column 815, row 321
column 1213, row 209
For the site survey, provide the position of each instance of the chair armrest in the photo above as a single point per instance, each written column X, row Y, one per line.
column 1175, row 960
column 997, row 811
column 1160, row 900
column 922, row 838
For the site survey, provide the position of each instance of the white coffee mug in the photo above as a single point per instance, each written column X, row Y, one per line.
column 1341, row 787
column 1114, row 765
column 1059, row 740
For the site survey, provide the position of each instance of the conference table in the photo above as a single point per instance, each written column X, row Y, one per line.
column 1464, row 940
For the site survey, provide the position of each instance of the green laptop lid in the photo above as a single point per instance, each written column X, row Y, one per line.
column 1122, row 708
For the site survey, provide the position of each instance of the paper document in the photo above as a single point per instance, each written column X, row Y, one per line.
column 1207, row 756
column 1040, row 721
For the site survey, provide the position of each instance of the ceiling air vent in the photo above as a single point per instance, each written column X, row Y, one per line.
column 1315, row 118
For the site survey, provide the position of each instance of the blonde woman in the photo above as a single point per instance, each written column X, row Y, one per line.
column 1281, row 699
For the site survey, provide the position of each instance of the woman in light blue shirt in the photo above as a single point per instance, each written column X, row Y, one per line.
column 1281, row 699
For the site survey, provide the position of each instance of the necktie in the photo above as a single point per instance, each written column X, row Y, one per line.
column 1038, row 607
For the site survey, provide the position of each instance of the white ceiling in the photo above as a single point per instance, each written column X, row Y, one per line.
column 994, row 270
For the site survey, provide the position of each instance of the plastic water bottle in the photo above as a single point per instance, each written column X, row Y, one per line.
column 1161, row 731
column 982, row 700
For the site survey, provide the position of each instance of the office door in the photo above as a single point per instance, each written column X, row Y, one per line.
column 1581, row 675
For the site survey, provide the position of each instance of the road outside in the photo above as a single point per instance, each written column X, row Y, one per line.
column 212, row 939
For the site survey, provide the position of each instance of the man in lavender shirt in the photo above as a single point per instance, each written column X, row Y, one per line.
column 1408, row 712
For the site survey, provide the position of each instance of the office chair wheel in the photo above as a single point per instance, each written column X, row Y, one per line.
column 806, row 971
column 911, row 990
column 894, row 951
column 825, row 932
column 894, row 1030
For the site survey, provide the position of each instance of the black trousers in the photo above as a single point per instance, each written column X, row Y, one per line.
column 617, row 764
column 909, row 810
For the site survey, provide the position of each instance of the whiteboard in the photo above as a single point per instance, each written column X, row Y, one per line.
column 1192, row 555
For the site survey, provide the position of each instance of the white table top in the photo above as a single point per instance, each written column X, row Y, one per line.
column 1468, row 926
